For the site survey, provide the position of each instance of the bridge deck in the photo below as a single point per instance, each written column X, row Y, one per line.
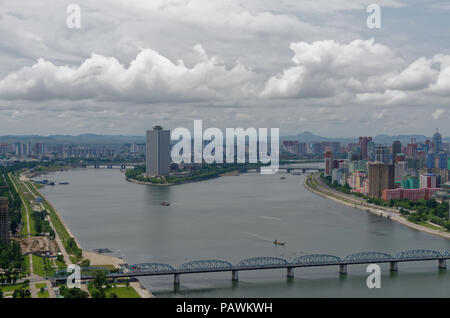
column 260, row 263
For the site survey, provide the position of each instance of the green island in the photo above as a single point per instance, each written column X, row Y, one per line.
column 199, row 172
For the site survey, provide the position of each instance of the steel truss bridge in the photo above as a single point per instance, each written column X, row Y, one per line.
column 99, row 165
column 260, row 263
column 290, row 168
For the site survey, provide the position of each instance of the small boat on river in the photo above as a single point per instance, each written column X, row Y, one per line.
column 276, row 242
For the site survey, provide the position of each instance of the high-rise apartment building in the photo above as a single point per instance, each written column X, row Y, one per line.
column 396, row 149
column 158, row 152
column 437, row 141
column 381, row 177
column 363, row 143
column 328, row 163
column 4, row 221
column 382, row 154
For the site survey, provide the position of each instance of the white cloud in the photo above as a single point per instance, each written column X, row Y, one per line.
column 438, row 114
column 150, row 78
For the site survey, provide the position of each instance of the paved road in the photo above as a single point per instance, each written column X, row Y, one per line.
column 27, row 212
column 360, row 203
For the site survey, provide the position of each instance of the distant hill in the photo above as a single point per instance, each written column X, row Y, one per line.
column 307, row 136
column 83, row 139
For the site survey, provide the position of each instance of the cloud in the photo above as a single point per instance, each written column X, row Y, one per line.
column 438, row 114
column 362, row 71
column 324, row 72
column 150, row 78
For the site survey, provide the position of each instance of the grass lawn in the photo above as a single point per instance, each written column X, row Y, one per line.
column 26, row 197
column 38, row 265
column 45, row 294
column 27, row 264
column 109, row 266
column 38, row 186
column 11, row 288
column 59, row 226
column 122, row 292
column 431, row 226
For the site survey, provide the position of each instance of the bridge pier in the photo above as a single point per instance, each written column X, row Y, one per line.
column 290, row 272
column 176, row 279
column 393, row 267
column 234, row 276
column 343, row 269
column 442, row 264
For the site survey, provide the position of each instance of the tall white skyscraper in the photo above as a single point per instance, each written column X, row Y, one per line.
column 158, row 152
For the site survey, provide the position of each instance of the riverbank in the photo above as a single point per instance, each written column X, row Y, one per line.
column 63, row 233
column 225, row 174
column 315, row 185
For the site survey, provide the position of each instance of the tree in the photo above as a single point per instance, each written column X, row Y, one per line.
column 99, row 279
column 113, row 295
column 73, row 292
column 60, row 258
column 85, row 263
column 97, row 293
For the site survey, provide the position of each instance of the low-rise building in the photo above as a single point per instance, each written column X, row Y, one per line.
column 409, row 194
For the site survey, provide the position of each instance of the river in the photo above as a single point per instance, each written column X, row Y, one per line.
column 236, row 217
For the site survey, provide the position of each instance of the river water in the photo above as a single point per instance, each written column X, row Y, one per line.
column 237, row 217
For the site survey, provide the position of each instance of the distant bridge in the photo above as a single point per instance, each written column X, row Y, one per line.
column 110, row 165
column 290, row 168
column 260, row 263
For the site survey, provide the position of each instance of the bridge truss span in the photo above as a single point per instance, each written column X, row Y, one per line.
column 367, row 257
column 262, row 262
column 418, row 254
column 147, row 268
column 205, row 265
column 316, row 259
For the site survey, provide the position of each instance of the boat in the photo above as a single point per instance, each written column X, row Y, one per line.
column 63, row 183
column 276, row 242
column 282, row 178
column 164, row 203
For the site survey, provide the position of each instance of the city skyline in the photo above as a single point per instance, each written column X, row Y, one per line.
column 250, row 64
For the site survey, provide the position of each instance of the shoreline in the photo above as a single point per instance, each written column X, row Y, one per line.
column 225, row 174
column 389, row 214
column 96, row 259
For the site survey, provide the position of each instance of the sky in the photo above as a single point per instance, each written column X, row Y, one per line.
column 297, row 65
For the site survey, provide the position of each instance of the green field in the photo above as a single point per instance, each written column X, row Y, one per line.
column 26, row 197
column 38, row 265
column 43, row 266
column 11, row 288
column 27, row 264
column 122, row 292
column 45, row 294
column 59, row 226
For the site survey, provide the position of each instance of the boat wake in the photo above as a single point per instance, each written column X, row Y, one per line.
column 270, row 218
